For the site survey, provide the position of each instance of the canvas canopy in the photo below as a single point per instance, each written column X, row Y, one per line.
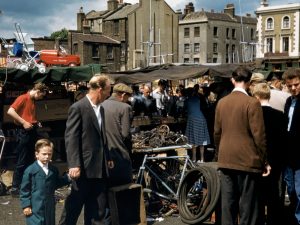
column 148, row 74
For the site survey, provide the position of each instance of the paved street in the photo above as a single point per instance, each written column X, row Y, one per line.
column 11, row 213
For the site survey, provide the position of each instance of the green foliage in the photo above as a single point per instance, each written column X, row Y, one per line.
column 61, row 34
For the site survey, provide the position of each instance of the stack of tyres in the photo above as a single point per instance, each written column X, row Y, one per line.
column 199, row 194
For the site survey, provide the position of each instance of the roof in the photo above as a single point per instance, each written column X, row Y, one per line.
column 218, row 16
column 123, row 13
column 97, row 38
column 96, row 14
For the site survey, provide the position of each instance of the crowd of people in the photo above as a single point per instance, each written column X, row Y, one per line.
column 254, row 129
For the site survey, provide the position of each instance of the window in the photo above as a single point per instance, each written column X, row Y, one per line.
column 196, row 60
column 197, row 47
column 110, row 53
column 286, row 22
column 233, row 53
column 233, row 34
column 215, row 60
column 186, row 48
column 227, row 53
column 186, row 60
column 197, row 31
column 269, row 44
column 92, row 24
column 116, row 27
column 215, row 47
column 252, row 34
column 285, row 44
column 215, row 31
column 227, row 33
column 95, row 51
column 186, row 32
column 270, row 24
column 123, row 49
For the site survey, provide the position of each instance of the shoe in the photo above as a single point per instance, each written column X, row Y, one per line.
column 14, row 192
column 200, row 161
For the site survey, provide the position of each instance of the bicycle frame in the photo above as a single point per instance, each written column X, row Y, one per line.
column 144, row 167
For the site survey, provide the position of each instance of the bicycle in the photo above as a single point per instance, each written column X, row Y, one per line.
column 174, row 184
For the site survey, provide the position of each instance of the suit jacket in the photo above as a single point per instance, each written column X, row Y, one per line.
column 293, row 137
column 86, row 143
column 37, row 191
column 239, row 133
column 118, row 116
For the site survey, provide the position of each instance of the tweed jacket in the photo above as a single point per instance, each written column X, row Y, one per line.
column 239, row 133
column 86, row 144
column 118, row 116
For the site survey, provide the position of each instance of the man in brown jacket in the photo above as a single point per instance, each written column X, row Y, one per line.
column 241, row 151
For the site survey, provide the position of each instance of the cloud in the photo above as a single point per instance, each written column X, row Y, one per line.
column 42, row 17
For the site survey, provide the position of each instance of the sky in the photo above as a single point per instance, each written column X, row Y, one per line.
column 40, row 18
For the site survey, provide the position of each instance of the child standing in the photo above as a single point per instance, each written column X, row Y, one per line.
column 38, row 185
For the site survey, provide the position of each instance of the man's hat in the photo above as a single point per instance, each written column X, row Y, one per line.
column 257, row 78
column 123, row 88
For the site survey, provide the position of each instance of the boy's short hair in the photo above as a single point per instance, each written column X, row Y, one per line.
column 291, row 73
column 41, row 87
column 262, row 90
column 42, row 143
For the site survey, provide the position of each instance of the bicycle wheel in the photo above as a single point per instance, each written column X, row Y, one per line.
column 198, row 194
column 162, row 181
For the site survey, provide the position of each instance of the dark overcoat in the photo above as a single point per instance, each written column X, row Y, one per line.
column 37, row 191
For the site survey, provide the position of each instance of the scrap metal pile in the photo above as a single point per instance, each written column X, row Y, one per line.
column 158, row 137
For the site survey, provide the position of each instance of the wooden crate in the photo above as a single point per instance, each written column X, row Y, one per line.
column 126, row 203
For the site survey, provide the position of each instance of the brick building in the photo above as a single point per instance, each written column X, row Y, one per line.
column 216, row 37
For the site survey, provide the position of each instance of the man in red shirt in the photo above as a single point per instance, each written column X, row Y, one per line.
column 23, row 112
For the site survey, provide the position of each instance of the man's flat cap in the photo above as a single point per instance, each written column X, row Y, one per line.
column 257, row 78
column 123, row 88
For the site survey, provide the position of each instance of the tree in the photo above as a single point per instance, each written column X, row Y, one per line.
column 61, row 34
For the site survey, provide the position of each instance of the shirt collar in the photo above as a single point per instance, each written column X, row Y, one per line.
column 42, row 165
column 240, row 90
column 93, row 105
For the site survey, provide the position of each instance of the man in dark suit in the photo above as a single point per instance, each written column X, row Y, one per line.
column 241, row 152
column 291, row 78
column 88, row 156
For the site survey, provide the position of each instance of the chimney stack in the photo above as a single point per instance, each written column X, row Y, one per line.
column 189, row 8
column 112, row 5
column 230, row 10
column 80, row 19
column 264, row 3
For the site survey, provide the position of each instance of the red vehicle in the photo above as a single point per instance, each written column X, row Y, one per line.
column 58, row 58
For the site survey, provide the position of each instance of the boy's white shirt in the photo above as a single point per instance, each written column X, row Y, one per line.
column 44, row 167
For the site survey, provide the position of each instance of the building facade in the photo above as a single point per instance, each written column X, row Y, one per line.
column 211, row 37
column 278, row 35
column 148, row 32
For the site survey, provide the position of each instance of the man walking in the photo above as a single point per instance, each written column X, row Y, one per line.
column 87, row 156
column 241, row 152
